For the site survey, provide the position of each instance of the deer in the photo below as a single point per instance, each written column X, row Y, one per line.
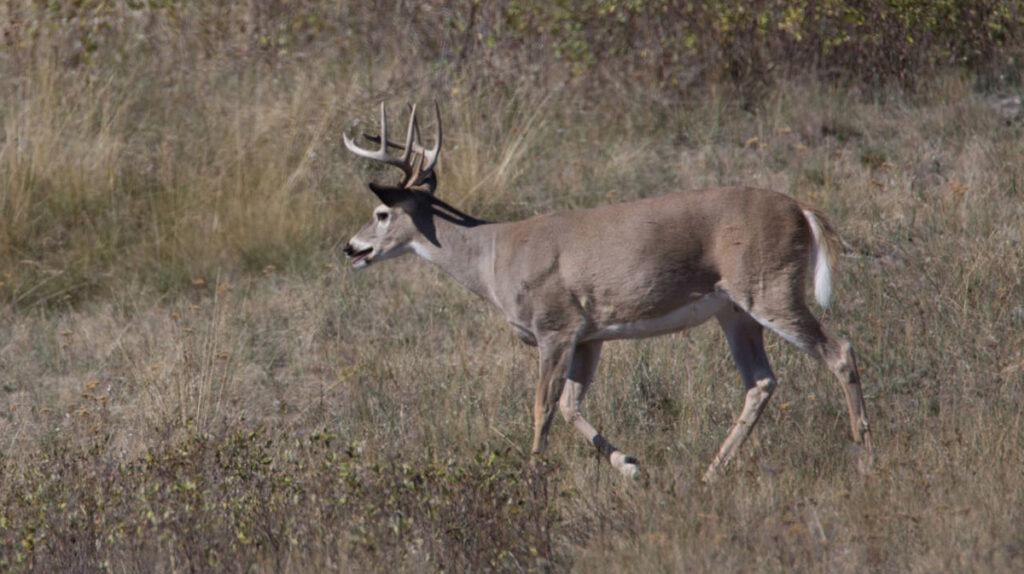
column 569, row 281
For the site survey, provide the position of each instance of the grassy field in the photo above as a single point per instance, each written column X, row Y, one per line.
column 193, row 379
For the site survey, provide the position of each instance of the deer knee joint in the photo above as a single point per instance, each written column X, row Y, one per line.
column 570, row 414
column 766, row 385
column 569, row 403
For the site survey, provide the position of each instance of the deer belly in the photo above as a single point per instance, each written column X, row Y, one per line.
column 689, row 315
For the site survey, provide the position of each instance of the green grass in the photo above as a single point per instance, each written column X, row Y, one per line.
column 192, row 378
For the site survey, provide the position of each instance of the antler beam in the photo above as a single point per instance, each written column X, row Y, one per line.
column 416, row 162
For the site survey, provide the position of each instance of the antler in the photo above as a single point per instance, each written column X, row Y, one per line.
column 416, row 162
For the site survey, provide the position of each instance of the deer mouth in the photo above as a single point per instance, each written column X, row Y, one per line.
column 361, row 258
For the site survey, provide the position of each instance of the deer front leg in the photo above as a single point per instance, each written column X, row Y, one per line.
column 554, row 358
column 581, row 374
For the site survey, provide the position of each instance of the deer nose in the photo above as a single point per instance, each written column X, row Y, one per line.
column 348, row 249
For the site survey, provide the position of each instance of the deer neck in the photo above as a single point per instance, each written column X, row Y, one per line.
column 458, row 244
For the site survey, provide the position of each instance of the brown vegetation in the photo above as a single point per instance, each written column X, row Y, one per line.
column 192, row 379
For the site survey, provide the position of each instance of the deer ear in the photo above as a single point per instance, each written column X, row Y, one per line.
column 391, row 196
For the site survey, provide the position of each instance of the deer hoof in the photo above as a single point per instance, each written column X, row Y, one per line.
column 627, row 465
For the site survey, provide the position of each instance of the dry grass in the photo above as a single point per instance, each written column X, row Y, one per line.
column 192, row 378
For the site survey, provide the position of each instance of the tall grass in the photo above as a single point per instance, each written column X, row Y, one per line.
column 110, row 181
column 191, row 378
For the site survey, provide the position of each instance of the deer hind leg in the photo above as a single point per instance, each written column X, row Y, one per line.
column 803, row 330
column 837, row 353
column 581, row 374
column 745, row 336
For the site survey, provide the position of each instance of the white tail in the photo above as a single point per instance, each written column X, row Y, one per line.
column 567, row 282
column 820, row 261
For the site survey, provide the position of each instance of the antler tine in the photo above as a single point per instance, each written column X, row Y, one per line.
column 381, row 154
column 430, row 156
column 383, row 129
column 413, row 130
column 417, row 147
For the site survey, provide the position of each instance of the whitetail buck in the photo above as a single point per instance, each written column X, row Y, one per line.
column 569, row 281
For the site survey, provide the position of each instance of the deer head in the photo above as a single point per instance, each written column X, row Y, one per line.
column 402, row 217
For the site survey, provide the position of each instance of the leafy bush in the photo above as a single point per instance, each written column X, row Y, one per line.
column 670, row 44
column 239, row 501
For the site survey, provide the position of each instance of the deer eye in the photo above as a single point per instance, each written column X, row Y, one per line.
column 382, row 216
